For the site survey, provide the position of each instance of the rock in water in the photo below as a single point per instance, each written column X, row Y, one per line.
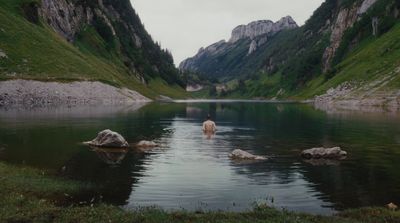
column 109, row 139
column 324, row 153
column 392, row 206
column 239, row 154
column 146, row 144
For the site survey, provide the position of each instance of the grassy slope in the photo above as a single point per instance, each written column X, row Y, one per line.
column 34, row 203
column 372, row 61
column 36, row 52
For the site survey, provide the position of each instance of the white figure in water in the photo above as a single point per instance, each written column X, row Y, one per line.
column 209, row 127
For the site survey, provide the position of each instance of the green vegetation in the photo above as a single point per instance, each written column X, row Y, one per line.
column 374, row 61
column 34, row 51
column 29, row 195
column 290, row 64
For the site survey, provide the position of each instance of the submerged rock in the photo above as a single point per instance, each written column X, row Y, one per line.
column 324, row 153
column 239, row 154
column 108, row 139
column 145, row 143
column 145, row 146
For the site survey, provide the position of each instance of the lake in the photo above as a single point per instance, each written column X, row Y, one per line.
column 193, row 172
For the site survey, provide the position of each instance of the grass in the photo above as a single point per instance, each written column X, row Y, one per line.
column 372, row 61
column 28, row 195
column 36, row 52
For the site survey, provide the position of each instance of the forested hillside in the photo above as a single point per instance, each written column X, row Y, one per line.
column 343, row 41
column 68, row 40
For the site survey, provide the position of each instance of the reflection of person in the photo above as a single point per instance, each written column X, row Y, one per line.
column 209, row 126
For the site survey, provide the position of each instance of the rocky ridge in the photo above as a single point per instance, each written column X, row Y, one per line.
column 117, row 23
column 262, row 27
column 257, row 32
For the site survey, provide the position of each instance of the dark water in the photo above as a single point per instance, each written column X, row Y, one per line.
column 193, row 172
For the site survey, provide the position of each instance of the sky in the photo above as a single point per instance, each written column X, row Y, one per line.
column 184, row 26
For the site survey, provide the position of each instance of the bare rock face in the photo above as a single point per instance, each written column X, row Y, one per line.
column 108, row 139
column 324, row 153
column 344, row 20
column 65, row 17
column 365, row 6
column 254, row 31
column 239, row 154
column 261, row 27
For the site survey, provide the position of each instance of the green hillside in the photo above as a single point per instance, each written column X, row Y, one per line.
column 35, row 51
column 292, row 63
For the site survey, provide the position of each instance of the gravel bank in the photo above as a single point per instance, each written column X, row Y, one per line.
column 349, row 97
column 36, row 93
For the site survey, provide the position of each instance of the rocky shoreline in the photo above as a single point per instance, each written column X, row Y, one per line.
column 350, row 97
column 36, row 93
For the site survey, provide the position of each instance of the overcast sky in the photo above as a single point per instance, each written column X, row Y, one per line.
column 183, row 26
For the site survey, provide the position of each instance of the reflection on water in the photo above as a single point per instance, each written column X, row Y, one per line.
column 193, row 171
column 110, row 156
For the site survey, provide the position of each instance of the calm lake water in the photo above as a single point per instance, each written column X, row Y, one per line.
column 191, row 171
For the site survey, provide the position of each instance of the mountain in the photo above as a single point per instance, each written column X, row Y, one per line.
column 344, row 43
column 75, row 40
column 231, row 58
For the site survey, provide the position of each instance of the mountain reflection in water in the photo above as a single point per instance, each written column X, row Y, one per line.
column 193, row 171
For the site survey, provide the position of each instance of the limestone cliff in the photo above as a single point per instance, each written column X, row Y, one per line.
column 120, row 30
column 262, row 27
column 345, row 18
column 257, row 33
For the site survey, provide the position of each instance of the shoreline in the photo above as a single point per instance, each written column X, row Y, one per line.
column 22, row 93
column 42, row 202
column 33, row 93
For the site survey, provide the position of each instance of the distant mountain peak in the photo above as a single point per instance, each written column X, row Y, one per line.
column 258, row 32
column 262, row 27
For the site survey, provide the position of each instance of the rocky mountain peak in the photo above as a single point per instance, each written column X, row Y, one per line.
column 262, row 27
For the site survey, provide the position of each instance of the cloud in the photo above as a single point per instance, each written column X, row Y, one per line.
column 183, row 26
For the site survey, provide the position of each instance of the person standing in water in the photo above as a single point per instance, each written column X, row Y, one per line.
column 209, row 126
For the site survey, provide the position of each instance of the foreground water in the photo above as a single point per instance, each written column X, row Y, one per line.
column 192, row 171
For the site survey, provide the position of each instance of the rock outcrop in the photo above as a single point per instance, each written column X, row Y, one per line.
column 257, row 32
column 108, row 139
column 239, row 154
column 261, row 27
column 119, row 28
column 324, row 153
column 345, row 19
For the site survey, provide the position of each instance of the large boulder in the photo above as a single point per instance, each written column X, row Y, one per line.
column 239, row 154
column 324, row 153
column 108, row 139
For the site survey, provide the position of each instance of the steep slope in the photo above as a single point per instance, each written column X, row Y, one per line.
column 69, row 40
column 310, row 60
column 240, row 54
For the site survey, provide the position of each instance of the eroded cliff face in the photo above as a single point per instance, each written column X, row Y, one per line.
column 257, row 32
column 346, row 18
column 66, row 18
column 119, row 26
column 261, row 27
